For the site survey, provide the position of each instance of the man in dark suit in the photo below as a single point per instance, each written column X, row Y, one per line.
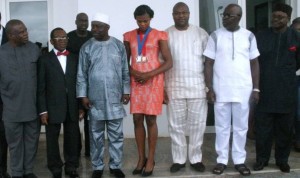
column 3, row 142
column 57, row 103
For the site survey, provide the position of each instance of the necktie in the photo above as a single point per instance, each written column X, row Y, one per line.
column 65, row 53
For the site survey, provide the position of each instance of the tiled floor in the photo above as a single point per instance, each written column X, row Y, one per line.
column 163, row 161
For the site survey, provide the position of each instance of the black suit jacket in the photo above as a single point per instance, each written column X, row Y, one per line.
column 4, row 37
column 56, row 90
column 4, row 40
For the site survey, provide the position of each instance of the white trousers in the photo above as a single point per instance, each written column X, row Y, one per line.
column 187, row 115
column 239, row 113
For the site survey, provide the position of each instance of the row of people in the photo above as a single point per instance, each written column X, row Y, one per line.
column 229, row 77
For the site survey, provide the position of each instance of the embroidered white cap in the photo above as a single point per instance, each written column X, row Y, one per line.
column 101, row 18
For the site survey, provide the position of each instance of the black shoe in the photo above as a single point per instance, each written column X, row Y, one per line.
column 72, row 173
column 297, row 146
column 176, row 167
column 139, row 171
column 57, row 174
column 284, row 167
column 242, row 169
column 199, row 166
column 30, row 175
column 219, row 169
column 97, row 173
column 259, row 165
column 148, row 173
column 4, row 175
column 117, row 173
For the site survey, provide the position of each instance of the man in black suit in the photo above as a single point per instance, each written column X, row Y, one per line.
column 3, row 142
column 57, row 103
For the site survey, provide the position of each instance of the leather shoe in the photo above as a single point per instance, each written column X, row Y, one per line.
column 57, row 175
column 259, row 165
column 4, row 175
column 176, row 167
column 97, row 173
column 284, row 167
column 199, row 166
column 72, row 174
column 117, row 173
column 30, row 175
column 297, row 146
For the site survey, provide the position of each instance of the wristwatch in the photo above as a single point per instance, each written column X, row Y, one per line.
column 256, row 90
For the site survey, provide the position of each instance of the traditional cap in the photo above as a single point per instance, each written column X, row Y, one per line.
column 283, row 8
column 101, row 18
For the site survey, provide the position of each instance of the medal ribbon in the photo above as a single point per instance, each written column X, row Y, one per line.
column 141, row 42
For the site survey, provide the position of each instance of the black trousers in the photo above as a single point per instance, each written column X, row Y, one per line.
column 277, row 127
column 3, row 147
column 70, row 146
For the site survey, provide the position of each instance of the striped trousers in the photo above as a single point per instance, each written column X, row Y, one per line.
column 187, row 117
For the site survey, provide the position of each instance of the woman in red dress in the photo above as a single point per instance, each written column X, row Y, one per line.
column 143, row 46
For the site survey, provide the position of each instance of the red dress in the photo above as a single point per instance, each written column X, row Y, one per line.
column 146, row 98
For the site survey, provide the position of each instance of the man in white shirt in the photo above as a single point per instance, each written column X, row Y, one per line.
column 185, row 90
column 57, row 104
column 231, row 76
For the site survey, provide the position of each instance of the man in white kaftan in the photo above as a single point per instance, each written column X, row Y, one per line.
column 103, row 84
column 231, row 76
column 185, row 88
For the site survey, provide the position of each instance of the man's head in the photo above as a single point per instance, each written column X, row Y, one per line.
column 82, row 22
column 59, row 39
column 16, row 32
column 100, row 26
column 296, row 24
column 232, row 16
column 281, row 15
column 181, row 16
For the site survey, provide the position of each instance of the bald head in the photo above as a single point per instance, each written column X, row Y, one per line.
column 10, row 26
column 238, row 8
column 81, row 15
column 179, row 5
column 181, row 16
column 82, row 23
column 296, row 24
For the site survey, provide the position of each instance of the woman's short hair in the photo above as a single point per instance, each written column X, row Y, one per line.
column 142, row 10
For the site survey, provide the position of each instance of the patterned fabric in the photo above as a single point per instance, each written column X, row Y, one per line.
column 146, row 98
column 187, row 117
column 103, row 77
column 186, row 78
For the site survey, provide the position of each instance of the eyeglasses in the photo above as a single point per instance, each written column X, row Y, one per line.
column 226, row 15
column 181, row 13
column 61, row 38
column 279, row 17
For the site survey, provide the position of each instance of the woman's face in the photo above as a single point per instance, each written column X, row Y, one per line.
column 143, row 22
